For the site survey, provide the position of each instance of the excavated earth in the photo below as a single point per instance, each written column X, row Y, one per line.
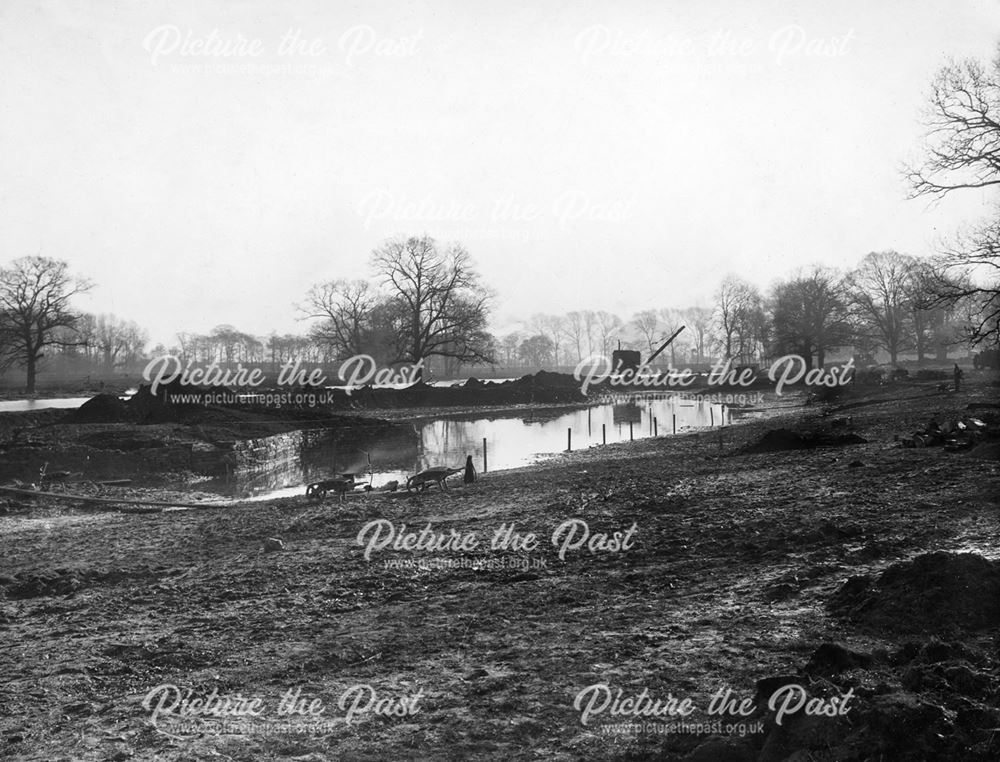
column 839, row 561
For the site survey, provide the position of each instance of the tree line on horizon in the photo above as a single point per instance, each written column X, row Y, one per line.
column 426, row 302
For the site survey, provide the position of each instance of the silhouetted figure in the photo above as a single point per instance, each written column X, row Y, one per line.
column 470, row 470
column 958, row 377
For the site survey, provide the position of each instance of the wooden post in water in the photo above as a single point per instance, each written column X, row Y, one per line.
column 655, row 431
column 484, row 455
column 674, row 416
column 604, row 433
column 569, row 440
column 630, row 437
column 711, row 415
column 588, row 421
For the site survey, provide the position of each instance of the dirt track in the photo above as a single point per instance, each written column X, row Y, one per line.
column 735, row 559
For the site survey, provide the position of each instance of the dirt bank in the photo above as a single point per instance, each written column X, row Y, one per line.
column 735, row 578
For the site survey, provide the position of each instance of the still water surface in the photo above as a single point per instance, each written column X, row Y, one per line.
column 511, row 441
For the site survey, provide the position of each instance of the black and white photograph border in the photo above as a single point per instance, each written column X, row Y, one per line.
column 440, row 380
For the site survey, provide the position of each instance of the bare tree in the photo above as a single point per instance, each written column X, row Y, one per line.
column 728, row 301
column 186, row 345
column 590, row 329
column 810, row 315
column 288, row 347
column 740, row 320
column 699, row 321
column 607, row 325
column 879, row 291
column 83, row 335
column 963, row 131
column 226, row 338
column 508, row 348
column 962, row 153
column 442, row 307
column 575, row 329
column 35, row 304
column 109, row 339
column 536, row 350
column 346, row 311
column 936, row 322
column 114, row 341
column 551, row 327
column 647, row 323
column 672, row 320
column 970, row 277
column 135, row 339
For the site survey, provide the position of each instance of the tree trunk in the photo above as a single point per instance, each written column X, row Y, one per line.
column 30, row 368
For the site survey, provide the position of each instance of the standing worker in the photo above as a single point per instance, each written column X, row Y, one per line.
column 958, row 377
column 470, row 470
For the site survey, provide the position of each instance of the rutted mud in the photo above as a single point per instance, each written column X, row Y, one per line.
column 737, row 558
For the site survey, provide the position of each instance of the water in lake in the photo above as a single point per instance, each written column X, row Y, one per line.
column 510, row 441
column 18, row 406
column 58, row 403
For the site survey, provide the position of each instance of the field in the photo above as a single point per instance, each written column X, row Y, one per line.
column 739, row 565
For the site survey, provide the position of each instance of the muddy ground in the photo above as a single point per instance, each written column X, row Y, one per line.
column 851, row 568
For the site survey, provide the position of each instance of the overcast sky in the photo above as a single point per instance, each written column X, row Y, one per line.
column 590, row 155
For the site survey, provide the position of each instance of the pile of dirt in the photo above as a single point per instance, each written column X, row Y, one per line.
column 541, row 388
column 933, row 592
column 104, row 408
column 930, row 700
column 163, row 406
column 786, row 439
column 543, row 379
column 142, row 407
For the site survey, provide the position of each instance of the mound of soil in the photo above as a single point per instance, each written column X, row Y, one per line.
column 104, row 408
column 931, row 593
column 162, row 407
column 541, row 388
column 786, row 439
column 142, row 407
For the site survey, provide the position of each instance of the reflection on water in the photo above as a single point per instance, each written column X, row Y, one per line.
column 510, row 441
column 17, row 406
column 58, row 403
